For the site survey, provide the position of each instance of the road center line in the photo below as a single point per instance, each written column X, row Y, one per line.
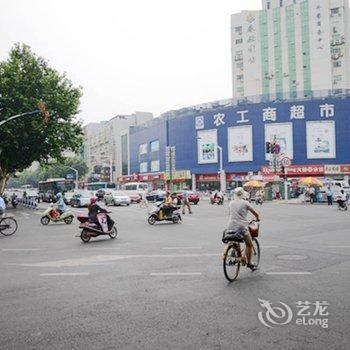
column 175, row 274
column 20, row 249
column 288, row 273
column 65, row 274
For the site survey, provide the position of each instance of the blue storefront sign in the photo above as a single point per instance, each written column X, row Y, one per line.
column 307, row 132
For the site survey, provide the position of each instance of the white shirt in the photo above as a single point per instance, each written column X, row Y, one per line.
column 238, row 211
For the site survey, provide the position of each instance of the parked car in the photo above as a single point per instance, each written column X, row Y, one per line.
column 192, row 197
column 116, row 198
column 81, row 199
column 68, row 197
column 156, row 196
column 134, row 198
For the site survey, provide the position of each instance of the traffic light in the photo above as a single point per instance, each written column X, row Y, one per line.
column 268, row 147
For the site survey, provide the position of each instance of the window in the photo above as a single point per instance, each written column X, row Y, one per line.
column 239, row 65
column 155, row 165
column 143, row 167
column 335, row 11
column 337, row 64
column 239, row 41
column 268, row 5
column 238, row 30
column 240, row 77
column 155, row 146
column 143, row 148
column 338, row 78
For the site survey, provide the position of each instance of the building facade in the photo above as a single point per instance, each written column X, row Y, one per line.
column 291, row 49
column 105, row 143
column 311, row 134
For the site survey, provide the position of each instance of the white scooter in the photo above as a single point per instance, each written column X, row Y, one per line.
column 50, row 214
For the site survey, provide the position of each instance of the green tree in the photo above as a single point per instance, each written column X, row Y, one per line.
column 25, row 80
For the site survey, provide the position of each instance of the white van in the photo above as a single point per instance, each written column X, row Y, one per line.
column 135, row 187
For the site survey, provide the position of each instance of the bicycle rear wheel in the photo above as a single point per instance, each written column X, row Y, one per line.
column 8, row 226
column 231, row 264
column 256, row 252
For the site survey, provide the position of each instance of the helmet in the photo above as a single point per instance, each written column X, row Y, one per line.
column 93, row 200
column 59, row 195
column 239, row 192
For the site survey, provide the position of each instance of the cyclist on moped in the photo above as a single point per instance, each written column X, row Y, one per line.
column 238, row 223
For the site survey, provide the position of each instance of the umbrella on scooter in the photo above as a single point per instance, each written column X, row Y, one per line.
column 253, row 184
column 310, row 181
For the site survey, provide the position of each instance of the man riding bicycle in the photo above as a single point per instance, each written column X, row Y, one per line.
column 238, row 223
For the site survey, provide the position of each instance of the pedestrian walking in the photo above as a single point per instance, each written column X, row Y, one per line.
column 185, row 202
column 312, row 193
column 144, row 202
column 329, row 195
column 2, row 206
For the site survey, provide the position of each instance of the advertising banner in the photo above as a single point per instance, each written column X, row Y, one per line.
column 282, row 133
column 207, row 146
column 240, row 143
column 320, row 139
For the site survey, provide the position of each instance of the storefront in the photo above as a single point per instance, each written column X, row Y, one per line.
column 155, row 181
column 179, row 179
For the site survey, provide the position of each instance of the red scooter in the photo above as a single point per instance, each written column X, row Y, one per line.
column 104, row 226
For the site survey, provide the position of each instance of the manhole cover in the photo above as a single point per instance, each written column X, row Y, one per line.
column 291, row 257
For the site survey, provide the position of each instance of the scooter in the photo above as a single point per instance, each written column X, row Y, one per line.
column 158, row 214
column 219, row 200
column 50, row 214
column 259, row 200
column 342, row 205
column 104, row 226
column 14, row 202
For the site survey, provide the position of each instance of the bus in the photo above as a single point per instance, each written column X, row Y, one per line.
column 49, row 188
column 135, row 186
column 94, row 186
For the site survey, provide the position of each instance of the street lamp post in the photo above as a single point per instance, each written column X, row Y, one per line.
column 76, row 176
column 18, row 115
column 221, row 171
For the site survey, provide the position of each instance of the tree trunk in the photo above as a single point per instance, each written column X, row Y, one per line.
column 3, row 181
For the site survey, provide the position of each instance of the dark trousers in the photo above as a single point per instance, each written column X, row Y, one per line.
column 330, row 200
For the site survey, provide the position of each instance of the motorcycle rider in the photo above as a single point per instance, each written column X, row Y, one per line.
column 168, row 205
column 14, row 200
column 342, row 199
column 94, row 209
column 238, row 223
column 61, row 206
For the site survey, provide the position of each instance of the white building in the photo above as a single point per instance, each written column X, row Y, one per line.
column 291, row 48
column 104, row 142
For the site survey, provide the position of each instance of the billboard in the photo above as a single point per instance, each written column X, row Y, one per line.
column 240, row 143
column 282, row 133
column 320, row 139
column 207, row 146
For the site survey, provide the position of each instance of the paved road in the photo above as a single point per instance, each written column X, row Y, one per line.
column 162, row 286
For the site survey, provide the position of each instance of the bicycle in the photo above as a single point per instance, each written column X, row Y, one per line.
column 8, row 225
column 234, row 255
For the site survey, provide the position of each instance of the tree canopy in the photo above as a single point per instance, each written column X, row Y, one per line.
column 25, row 80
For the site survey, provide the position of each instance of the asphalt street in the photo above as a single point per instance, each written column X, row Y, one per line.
column 163, row 287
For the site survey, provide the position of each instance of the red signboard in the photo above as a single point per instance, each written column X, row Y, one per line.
column 208, row 177
column 345, row 169
column 297, row 170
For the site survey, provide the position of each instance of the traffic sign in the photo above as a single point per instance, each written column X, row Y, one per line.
column 286, row 161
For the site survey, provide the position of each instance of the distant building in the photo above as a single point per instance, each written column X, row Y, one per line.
column 291, row 49
column 105, row 141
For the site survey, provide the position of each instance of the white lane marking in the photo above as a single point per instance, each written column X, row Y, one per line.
column 65, row 274
column 289, row 273
column 175, row 274
column 26, row 215
column 20, row 249
column 269, row 246
column 106, row 258
column 175, row 248
column 337, row 246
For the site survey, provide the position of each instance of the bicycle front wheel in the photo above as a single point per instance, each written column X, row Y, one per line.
column 231, row 263
column 256, row 252
column 8, row 226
